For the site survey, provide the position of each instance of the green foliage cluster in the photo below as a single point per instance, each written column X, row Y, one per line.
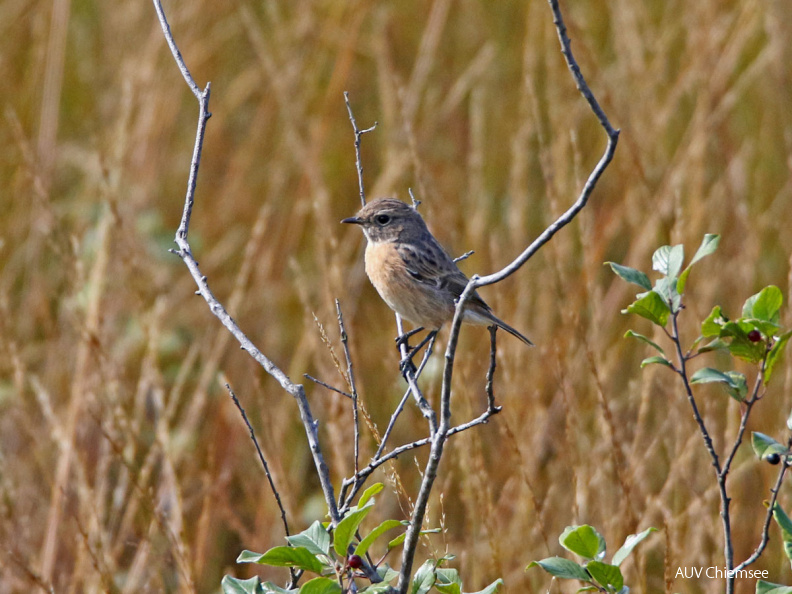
column 756, row 337
column 340, row 558
column 586, row 542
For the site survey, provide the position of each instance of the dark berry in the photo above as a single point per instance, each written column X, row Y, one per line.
column 754, row 335
column 355, row 562
column 773, row 458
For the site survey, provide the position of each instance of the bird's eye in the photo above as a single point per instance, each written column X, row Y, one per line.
column 382, row 219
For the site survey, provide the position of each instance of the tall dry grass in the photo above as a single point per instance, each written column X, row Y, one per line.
column 124, row 466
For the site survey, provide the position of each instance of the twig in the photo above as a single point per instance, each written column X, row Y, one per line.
column 719, row 476
column 185, row 253
column 261, row 457
column 294, row 575
column 328, row 386
column 491, row 371
column 593, row 178
column 464, row 256
column 426, row 409
column 765, row 538
column 400, row 407
column 358, row 134
column 351, row 380
column 482, row 419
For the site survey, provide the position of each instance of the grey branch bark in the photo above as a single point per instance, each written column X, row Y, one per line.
column 185, row 253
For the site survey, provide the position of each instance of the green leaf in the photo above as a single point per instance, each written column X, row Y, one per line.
column 345, row 531
column 642, row 338
column 715, row 345
column 666, row 287
column 248, row 557
column 657, row 359
column 630, row 543
column 764, row 445
column 387, row 573
column 650, row 306
column 400, row 539
column 447, row 581
column 713, row 325
column 369, row 539
column 734, row 381
column 320, row 585
column 562, row 568
column 763, row 587
column 380, row 588
column 740, row 345
column 765, row 305
column 667, row 260
column 631, row 275
column 606, row 574
column 298, row 557
column 584, row 541
column 270, row 588
column 369, row 493
column 775, row 354
column 424, row 578
column 232, row 585
column 708, row 245
column 492, row 588
column 783, row 521
column 316, row 539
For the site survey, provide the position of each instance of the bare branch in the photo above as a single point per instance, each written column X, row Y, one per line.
column 591, row 182
column 294, row 575
column 358, row 134
column 351, row 380
column 491, row 371
column 765, row 538
column 185, row 253
column 328, row 386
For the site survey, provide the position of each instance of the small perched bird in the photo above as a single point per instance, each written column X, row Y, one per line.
column 412, row 272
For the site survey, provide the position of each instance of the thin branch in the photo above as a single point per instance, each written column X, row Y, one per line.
column 328, row 386
column 294, row 576
column 358, row 134
column 482, row 419
column 464, row 256
column 765, row 538
column 426, row 409
column 754, row 398
column 591, row 182
column 400, row 407
column 351, row 380
column 185, row 253
column 491, row 371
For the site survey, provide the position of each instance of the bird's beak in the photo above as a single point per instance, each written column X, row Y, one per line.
column 353, row 220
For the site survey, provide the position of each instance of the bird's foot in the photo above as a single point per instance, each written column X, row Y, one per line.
column 404, row 338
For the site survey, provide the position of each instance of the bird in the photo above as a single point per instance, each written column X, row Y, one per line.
column 412, row 272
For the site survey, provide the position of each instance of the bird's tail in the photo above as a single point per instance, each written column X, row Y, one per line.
column 482, row 315
column 512, row 331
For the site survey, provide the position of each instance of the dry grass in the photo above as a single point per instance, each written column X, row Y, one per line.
column 123, row 464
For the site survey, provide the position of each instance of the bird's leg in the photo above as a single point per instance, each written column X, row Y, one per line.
column 406, row 362
column 402, row 340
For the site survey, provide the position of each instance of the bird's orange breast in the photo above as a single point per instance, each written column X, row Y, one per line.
column 417, row 302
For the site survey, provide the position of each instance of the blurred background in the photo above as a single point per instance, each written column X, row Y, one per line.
column 124, row 466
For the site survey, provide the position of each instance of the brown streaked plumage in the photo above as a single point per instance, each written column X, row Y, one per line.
column 412, row 272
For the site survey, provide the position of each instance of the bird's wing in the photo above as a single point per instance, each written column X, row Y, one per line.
column 429, row 263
